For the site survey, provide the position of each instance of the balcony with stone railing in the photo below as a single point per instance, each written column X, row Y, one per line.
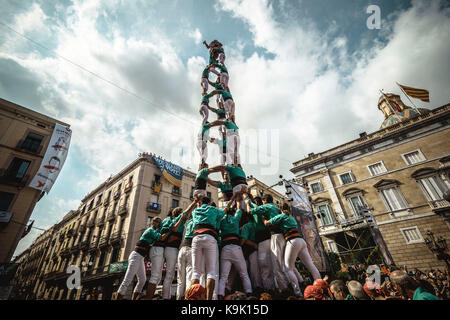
column 123, row 210
column 103, row 241
column 439, row 205
column 115, row 238
column 100, row 220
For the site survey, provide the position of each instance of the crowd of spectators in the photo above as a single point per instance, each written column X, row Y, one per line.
column 354, row 283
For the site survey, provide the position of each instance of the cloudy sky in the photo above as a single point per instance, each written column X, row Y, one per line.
column 305, row 76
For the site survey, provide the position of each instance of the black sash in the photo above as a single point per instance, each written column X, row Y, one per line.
column 205, row 229
column 174, row 240
column 237, row 181
column 262, row 235
column 142, row 247
column 291, row 234
column 229, row 238
column 247, row 250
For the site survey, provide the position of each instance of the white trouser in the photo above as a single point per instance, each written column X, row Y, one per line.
column 297, row 248
column 221, row 58
column 231, row 277
column 216, row 278
column 265, row 264
column 205, row 84
column 229, row 108
column 233, row 144
column 157, row 259
column 202, row 147
column 277, row 244
column 136, row 267
column 224, row 77
column 170, row 255
column 232, row 255
column 255, row 275
column 184, row 272
column 204, row 250
column 204, row 112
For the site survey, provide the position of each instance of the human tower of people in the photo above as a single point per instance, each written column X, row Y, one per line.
column 250, row 237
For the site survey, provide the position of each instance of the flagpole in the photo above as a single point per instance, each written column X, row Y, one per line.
column 408, row 98
column 384, row 96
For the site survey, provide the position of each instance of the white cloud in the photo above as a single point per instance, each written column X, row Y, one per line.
column 196, row 35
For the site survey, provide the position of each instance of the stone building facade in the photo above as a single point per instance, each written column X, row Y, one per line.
column 400, row 173
column 24, row 138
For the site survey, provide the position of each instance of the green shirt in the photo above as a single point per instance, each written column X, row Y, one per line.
column 205, row 98
column 267, row 210
column 235, row 172
column 230, row 125
column 203, row 174
column 420, row 294
column 165, row 225
column 224, row 186
column 175, row 220
column 150, row 235
column 220, row 112
column 207, row 215
column 285, row 221
column 189, row 233
column 205, row 72
column 212, row 60
column 225, row 94
column 230, row 224
column 221, row 67
column 218, row 86
column 204, row 132
column 248, row 231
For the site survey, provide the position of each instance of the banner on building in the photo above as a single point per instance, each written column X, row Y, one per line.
column 54, row 159
column 118, row 267
column 378, row 238
column 306, row 223
column 170, row 171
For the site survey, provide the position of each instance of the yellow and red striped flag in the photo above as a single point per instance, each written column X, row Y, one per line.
column 421, row 94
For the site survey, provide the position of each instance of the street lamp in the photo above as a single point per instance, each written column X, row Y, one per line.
column 438, row 247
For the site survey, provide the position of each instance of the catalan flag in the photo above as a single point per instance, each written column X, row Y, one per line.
column 421, row 94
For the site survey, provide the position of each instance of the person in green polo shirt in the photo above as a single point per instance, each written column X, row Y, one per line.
column 223, row 74
column 295, row 247
column 204, row 244
column 201, row 180
column 231, row 253
column 136, row 264
column 157, row 253
column 409, row 287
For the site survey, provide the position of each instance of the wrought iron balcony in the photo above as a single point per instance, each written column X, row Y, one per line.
column 103, row 241
column 153, row 207
column 90, row 223
column 101, row 220
column 10, row 178
column 84, row 244
column 123, row 210
column 116, row 195
column 106, row 202
column 116, row 237
column 128, row 187
column 111, row 216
